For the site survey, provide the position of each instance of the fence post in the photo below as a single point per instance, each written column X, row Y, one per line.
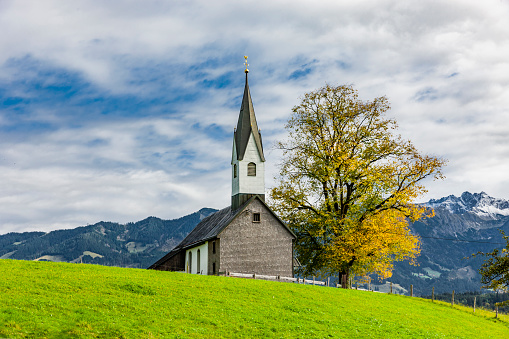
column 328, row 282
column 391, row 287
column 254, row 275
column 452, row 301
column 411, row 290
column 433, row 294
column 369, row 283
column 496, row 311
column 475, row 299
column 279, row 278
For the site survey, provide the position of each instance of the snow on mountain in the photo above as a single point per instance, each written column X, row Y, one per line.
column 480, row 204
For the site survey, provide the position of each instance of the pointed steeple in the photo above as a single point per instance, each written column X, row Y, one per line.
column 247, row 125
column 248, row 162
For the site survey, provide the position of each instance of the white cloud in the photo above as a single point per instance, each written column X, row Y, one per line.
column 73, row 177
column 443, row 66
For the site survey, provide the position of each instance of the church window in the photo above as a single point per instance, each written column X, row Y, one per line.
column 234, row 170
column 190, row 262
column 213, row 247
column 251, row 169
column 256, row 217
column 213, row 268
column 198, row 262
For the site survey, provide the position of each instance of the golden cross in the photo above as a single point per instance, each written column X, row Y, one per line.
column 245, row 63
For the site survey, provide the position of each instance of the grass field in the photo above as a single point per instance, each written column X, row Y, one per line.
column 59, row 300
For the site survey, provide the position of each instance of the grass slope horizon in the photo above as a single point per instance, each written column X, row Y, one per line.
column 44, row 299
column 442, row 263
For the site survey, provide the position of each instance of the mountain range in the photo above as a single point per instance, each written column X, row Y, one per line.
column 137, row 244
column 461, row 226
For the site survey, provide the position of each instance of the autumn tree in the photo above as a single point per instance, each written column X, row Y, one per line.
column 347, row 184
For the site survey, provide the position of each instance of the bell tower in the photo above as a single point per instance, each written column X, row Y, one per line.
column 248, row 161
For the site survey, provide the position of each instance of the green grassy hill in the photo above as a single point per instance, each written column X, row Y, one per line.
column 60, row 300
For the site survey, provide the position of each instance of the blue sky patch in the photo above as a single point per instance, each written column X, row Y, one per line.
column 304, row 70
column 427, row 94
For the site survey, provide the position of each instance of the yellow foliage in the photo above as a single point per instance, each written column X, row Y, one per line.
column 347, row 184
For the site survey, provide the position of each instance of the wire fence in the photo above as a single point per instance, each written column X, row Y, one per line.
column 277, row 278
column 327, row 283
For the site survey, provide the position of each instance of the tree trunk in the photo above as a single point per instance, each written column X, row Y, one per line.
column 345, row 278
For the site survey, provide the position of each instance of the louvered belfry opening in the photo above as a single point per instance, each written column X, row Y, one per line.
column 251, row 169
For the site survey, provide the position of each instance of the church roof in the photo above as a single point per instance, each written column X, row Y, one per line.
column 247, row 125
column 210, row 227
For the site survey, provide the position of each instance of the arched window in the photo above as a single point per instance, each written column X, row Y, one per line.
column 198, row 262
column 251, row 169
column 234, row 170
column 190, row 262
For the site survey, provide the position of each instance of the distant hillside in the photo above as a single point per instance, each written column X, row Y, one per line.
column 461, row 226
column 106, row 243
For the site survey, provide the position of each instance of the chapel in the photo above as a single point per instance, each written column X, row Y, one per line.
column 247, row 236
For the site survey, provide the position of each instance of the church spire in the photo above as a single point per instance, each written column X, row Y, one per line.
column 248, row 162
column 247, row 124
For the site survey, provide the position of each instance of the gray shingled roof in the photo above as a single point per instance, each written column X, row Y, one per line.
column 209, row 227
column 206, row 229
column 246, row 125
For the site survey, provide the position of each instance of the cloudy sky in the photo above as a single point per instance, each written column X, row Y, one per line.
column 119, row 110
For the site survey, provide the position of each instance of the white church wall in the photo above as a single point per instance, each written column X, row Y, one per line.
column 194, row 259
column 248, row 184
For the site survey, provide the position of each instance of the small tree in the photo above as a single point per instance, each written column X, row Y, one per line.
column 495, row 269
column 346, row 185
